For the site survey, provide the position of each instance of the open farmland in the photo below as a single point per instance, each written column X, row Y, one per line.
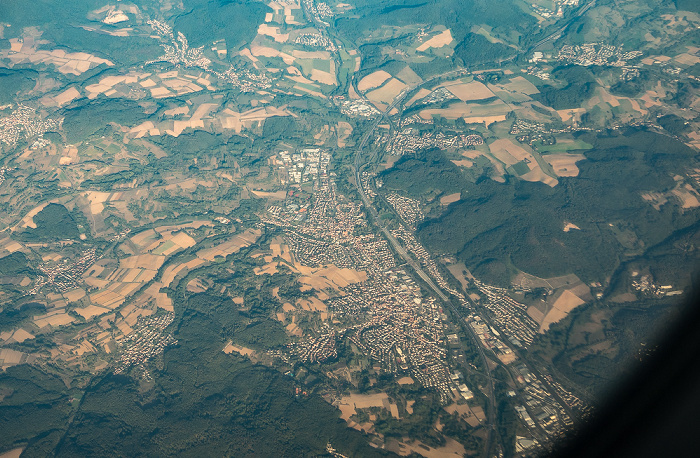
column 373, row 80
column 473, row 90
column 383, row 96
column 471, row 112
column 443, row 38
column 564, row 165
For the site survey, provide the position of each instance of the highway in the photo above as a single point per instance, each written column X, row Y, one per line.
column 373, row 214
column 456, row 312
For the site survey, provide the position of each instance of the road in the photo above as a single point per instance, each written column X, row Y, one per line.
column 556, row 34
column 456, row 312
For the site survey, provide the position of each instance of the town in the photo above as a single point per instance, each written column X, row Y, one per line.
column 387, row 316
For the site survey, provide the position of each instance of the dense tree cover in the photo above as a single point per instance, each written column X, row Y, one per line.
column 53, row 222
column 14, row 315
column 42, row 12
column 579, row 86
column 428, row 172
column 206, row 403
column 279, row 127
column 687, row 5
column 475, row 49
column 520, row 223
column 85, row 119
column 34, row 408
column 13, row 82
column 203, row 403
column 458, row 15
column 235, row 21
column 675, row 125
column 596, row 343
column 54, row 24
column 14, row 264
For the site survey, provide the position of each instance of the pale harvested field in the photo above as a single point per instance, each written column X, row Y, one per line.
column 472, row 113
column 564, row 165
column 310, row 92
column 97, row 200
column 687, row 59
column 313, row 304
column 287, row 307
column 194, row 224
column 687, row 196
column 535, row 313
column 509, row 153
column 267, row 269
column 294, row 330
column 9, row 356
column 143, row 238
column 14, row 453
column 22, row 52
column 61, row 99
column 469, row 91
column 536, row 174
column 572, row 113
column 273, row 32
column 388, row 92
column 457, row 271
column 446, row 200
column 28, row 220
column 608, row 97
column 521, row 85
column 343, row 132
column 324, row 77
column 463, row 163
column 405, row 381
column 162, row 299
column 560, row 309
column 438, row 41
column 282, row 251
column 53, row 319
column 321, row 55
column 91, row 311
column 230, row 247
column 265, row 51
column 486, row 120
column 143, row 261
column 373, row 80
column 408, row 76
column 419, row 95
column 349, row 404
column 230, row 348
column 196, row 286
column 279, row 195
column 20, row 335
column 10, row 245
column 330, row 277
column 183, row 240
column 452, row 448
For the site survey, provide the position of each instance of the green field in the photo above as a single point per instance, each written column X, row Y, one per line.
column 564, row 146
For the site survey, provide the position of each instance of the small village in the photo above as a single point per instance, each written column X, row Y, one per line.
column 147, row 340
column 596, row 54
column 410, row 140
column 26, row 121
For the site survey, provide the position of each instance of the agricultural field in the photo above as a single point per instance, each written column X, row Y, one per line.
column 231, row 212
